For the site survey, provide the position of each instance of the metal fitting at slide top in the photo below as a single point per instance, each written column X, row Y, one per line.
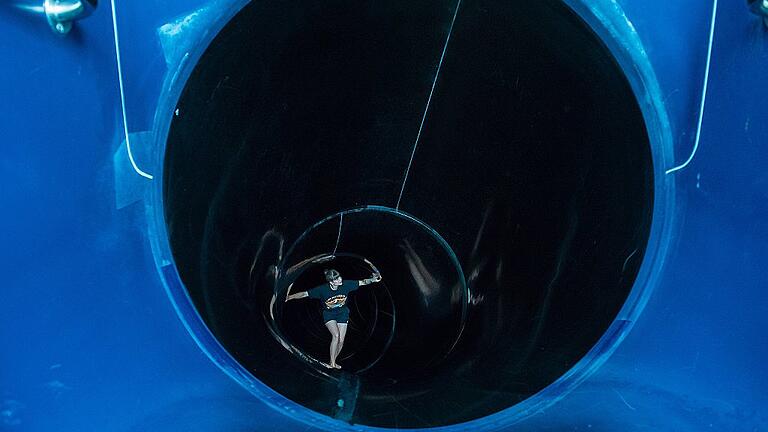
column 60, row 14
column 759, row 7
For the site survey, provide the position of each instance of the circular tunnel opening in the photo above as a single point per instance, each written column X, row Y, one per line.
column 509, row 237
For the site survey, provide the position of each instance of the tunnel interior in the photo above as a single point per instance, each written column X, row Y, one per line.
column 422, row 274
column 371, row 327
column 508, row 238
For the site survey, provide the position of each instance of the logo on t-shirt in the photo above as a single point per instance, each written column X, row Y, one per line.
column 336, row 301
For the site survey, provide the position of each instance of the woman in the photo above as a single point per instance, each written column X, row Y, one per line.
column 335, row 310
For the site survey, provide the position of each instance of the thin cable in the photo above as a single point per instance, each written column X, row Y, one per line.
column 429, row 100
column 338, row 236
column 122, row 96
column 703, row 93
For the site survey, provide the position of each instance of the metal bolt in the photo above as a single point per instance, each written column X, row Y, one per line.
column 765, row 12
column 760, row 8
column 61, row 13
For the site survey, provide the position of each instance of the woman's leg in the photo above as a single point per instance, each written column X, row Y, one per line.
column 342, row 333
column 334, row 329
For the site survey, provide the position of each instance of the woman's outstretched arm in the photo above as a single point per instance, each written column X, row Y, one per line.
column 298, row 295
column 376, row 277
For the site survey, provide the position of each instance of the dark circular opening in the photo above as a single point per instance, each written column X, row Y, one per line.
column 533, row 164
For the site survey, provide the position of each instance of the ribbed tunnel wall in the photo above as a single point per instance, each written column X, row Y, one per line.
column 519, row 231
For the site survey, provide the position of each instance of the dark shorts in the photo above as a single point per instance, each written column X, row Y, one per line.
column 340, row 315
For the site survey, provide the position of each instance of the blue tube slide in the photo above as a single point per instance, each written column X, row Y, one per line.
column 565, row 200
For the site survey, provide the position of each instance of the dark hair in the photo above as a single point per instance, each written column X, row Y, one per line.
column 331, row 274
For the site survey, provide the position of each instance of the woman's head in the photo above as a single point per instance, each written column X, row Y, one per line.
column 333, row 276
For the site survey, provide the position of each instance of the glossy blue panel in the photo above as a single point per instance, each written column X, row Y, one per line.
column 92, row 341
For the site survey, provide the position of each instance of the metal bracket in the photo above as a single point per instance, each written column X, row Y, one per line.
column 61, row 13
column 760, row 8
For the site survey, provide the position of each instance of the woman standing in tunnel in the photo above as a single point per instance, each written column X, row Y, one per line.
column 333, row 294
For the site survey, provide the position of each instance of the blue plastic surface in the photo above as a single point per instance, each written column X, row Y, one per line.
column 93, row 342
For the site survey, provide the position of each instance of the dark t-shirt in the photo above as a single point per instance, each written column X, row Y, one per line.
column 333, row 299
